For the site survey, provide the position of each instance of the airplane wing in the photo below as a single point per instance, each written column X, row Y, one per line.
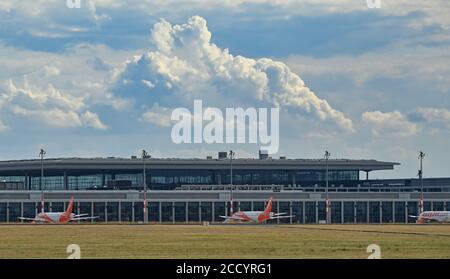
column 281, row 217
column 412, row 216
column 84, row 218
column 80, row 215
column 278, row 214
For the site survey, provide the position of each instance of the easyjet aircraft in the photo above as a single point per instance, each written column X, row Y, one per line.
column 256, row 216
column 58, row 217
column 432, row 216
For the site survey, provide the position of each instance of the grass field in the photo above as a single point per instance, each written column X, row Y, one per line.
column 224, row 241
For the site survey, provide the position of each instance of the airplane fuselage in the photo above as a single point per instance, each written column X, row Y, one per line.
column 54, row 217
column 252, row 216
column 434, row 216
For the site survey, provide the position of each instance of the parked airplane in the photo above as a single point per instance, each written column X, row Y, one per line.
column 256, row 216
column 58, row 217
column 432, row 216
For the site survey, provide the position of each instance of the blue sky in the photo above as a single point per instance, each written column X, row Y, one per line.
column 102, row 80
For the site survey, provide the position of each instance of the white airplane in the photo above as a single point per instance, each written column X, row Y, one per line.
column 58, row 217
column 256, row 216
column 432, row 216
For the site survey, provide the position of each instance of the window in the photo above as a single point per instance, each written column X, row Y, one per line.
column 336, row 216
column 349, row 214
column 153, row 212
column 193, row 211
column 206, row 211
column 166, row 212
column 297, row 211
column 219, row 210
column 126, row 212
column 113, row 211
column 386, row 212
column 180, row 212
column 15, row 209
column 310, row 212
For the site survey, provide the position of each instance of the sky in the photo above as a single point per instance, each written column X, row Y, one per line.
column 102, row 80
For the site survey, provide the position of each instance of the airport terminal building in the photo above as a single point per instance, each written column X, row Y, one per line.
column 198, row 190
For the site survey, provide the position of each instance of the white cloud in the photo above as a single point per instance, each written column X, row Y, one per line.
column 187, row 66
column 439, row 117
column 389, row 124
column 157, row 115
column 48, row 105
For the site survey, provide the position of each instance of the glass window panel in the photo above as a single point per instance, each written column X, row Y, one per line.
column 113, row 211
column 153, row 212
column 180, row 212
column 166, row 212
column 126, row 212
column 206, row 211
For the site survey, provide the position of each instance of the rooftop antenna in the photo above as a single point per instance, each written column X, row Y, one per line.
column 327, row 199
column 421, row 156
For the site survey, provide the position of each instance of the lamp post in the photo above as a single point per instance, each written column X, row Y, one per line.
column 41, row 181
column 327, row 200
column 145, row 156
column 421, row 156
column 231, row 182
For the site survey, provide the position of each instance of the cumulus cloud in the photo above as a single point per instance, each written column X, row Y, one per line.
column 437, row 117
column 157, row 115
column 48, row 105
column 389, row 124
column 186, row 66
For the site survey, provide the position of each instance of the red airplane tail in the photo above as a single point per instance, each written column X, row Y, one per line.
column 269, row 206
column 70, row 207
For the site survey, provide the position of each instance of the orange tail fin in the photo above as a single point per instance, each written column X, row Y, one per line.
column 70, row 207
column 269, row 206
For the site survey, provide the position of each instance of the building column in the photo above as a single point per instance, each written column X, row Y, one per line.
column 342, row 212
column 106, row 212
column 160, row 213
column 119, row 212
column 290, row 211
column 132, row 212
column 213, row 210
column 173, row 212
column 21, row 210
column 393, row 212
column 7, row 212
column 187, row 212
column 303, row 212
column 92, row 211
column 317, row 212
column 368, row 211
column 200, row 212
column 278, row 211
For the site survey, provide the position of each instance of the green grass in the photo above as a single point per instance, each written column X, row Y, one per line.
column 224, row 241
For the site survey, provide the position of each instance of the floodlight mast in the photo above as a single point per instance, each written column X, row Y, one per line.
column 41, row 181
column 231, row 154
column 327, row 200
column 421, row 156
column 145, row 206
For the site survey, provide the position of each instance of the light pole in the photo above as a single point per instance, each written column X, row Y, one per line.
column 327, row 200
column 421, row 156
column 231, row 182
column 145, row 156
column 41, row 188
